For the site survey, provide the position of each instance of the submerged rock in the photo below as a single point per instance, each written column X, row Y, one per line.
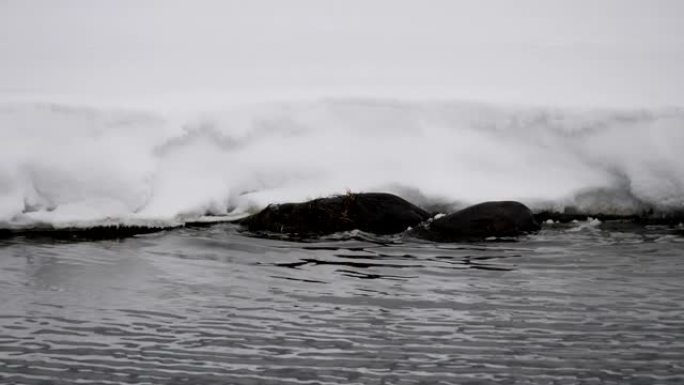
column 488, row 219
column 378, row 213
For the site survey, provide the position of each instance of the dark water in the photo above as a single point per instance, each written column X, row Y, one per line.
column 210, row 306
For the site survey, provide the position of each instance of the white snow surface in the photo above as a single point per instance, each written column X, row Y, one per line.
column 81, row 166
column 158, row 112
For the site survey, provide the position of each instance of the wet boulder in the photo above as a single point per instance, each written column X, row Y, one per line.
column 378, row 213
column 488, row 219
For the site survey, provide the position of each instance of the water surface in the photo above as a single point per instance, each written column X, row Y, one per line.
column 573, row 304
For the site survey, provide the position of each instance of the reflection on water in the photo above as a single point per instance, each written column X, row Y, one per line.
column 211, row 306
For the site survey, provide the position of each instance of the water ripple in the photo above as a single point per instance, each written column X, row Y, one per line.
column 202, row 306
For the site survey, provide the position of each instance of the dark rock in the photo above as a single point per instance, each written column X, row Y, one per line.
column 76, row 234
column 377, row 213
column 643, row 218
column 488, row 219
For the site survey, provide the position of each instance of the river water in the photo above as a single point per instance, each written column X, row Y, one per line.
column 573, row 304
